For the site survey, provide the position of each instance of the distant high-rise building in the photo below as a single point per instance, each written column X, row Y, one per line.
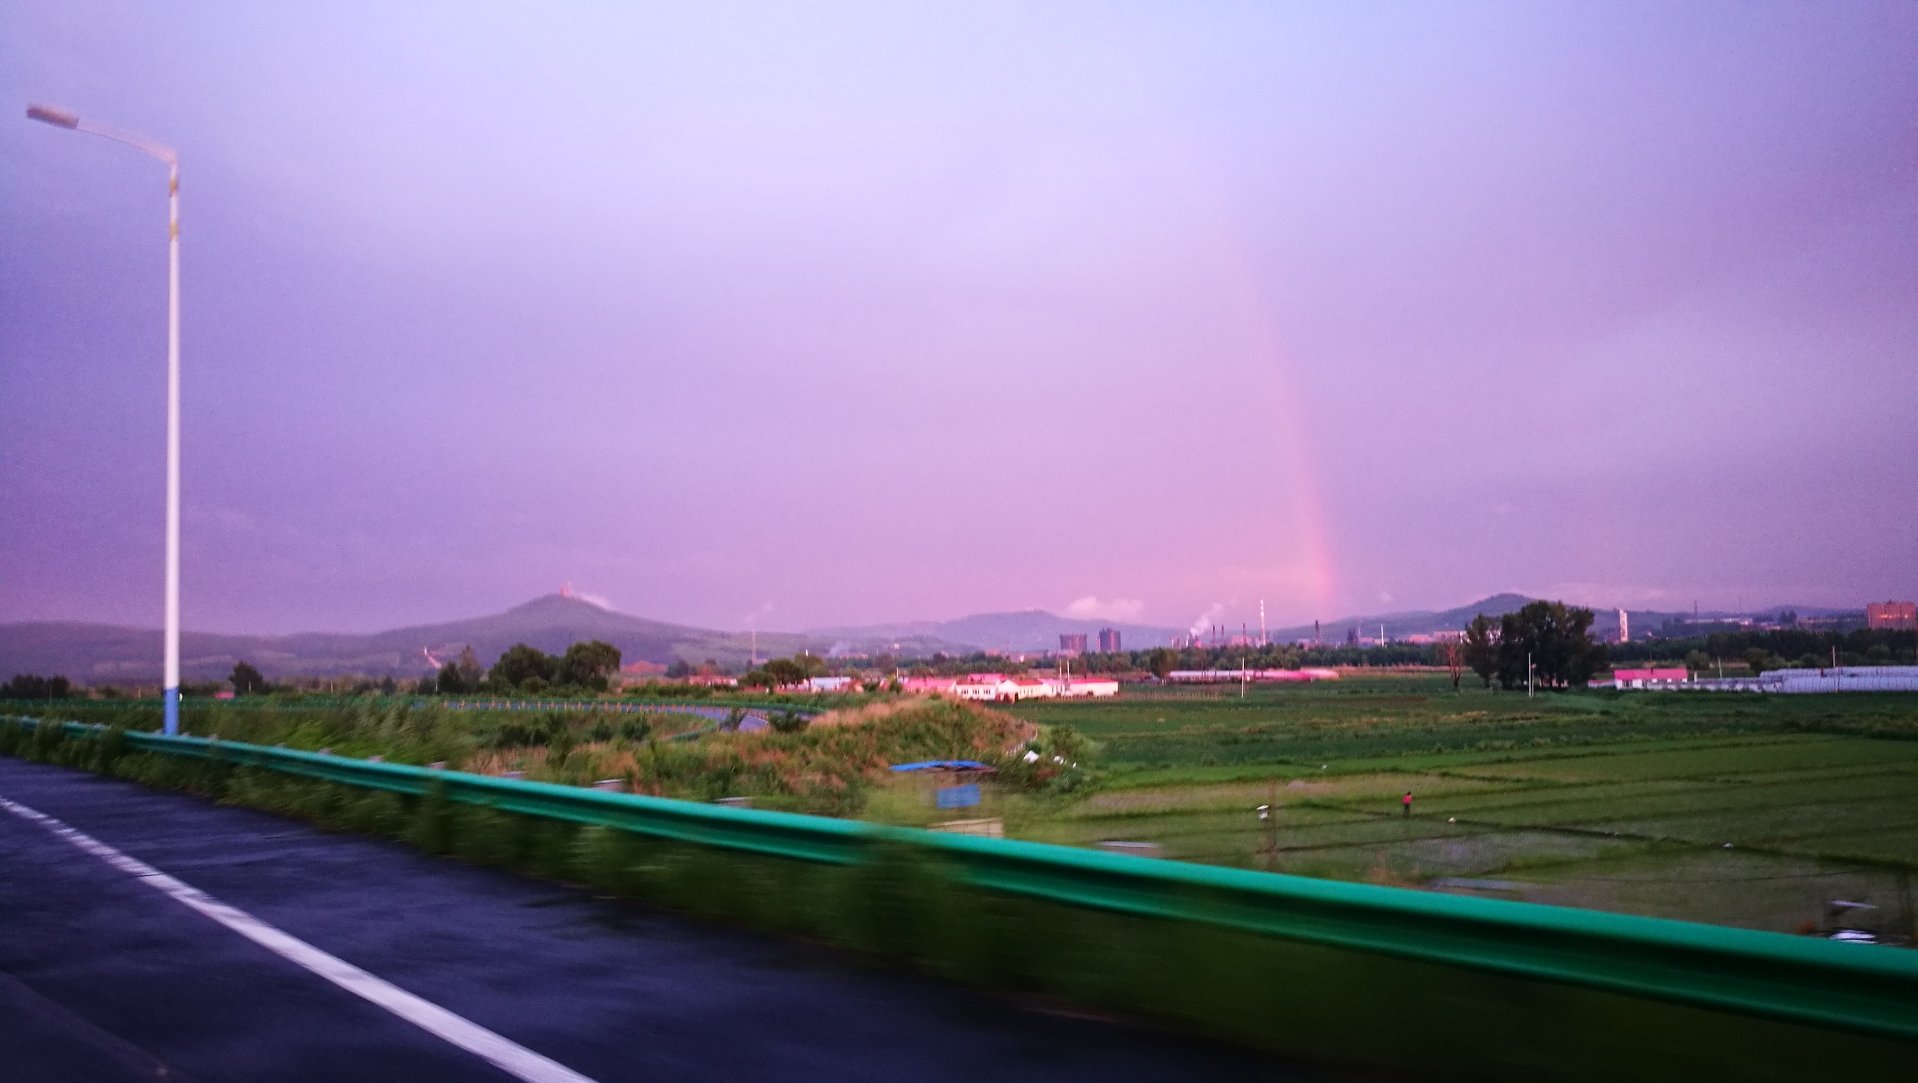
column 1898, row 616
column 1624, row 627
column 1109, row 641
column 1072, row 643
column 1352, row 637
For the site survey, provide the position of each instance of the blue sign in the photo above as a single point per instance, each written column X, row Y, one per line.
column 958, row 796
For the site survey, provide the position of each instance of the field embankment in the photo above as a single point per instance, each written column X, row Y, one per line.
column 1727, row 808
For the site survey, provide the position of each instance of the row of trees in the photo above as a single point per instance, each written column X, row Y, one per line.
column 587, row 666
column 785, row 672
column 1160, row 661
column 1777, row 648
column 1545, row 642
column 584, row 667
column 33, row 686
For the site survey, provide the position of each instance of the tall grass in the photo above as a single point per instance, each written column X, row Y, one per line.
column 828, row 766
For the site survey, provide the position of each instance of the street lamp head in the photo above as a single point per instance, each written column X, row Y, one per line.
column 59, row 118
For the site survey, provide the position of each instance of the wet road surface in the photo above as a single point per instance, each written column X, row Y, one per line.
column 103, row 977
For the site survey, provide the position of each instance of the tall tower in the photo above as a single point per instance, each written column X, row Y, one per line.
column 1624, row 627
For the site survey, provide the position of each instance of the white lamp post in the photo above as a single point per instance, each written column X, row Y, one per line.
column 60, row 118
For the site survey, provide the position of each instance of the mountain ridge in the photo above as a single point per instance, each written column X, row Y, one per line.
column 94, row 653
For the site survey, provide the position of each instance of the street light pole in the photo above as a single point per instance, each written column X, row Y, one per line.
column 60, row 118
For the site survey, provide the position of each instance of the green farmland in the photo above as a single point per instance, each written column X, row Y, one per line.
column 1728, row 808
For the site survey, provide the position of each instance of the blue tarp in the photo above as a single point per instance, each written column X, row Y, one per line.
column 943, row 765
column 950, row 797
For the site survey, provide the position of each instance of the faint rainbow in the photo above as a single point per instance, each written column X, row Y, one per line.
column 1308, row 570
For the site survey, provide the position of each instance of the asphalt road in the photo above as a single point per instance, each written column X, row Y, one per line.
column 103, row 977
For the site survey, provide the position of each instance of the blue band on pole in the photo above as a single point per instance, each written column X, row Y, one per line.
column 170, row 702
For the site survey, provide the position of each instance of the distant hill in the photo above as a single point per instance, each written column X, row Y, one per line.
column 104, row 653
column 1416, row 622
column 99, row 653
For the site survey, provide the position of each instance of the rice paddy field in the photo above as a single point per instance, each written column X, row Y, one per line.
column 1736, row 809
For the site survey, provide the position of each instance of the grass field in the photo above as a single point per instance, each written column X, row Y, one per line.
column 1734, row 809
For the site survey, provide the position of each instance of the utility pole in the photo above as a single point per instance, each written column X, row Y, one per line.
column 1528, row 675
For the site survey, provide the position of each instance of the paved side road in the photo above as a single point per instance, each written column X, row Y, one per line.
column 103, row 977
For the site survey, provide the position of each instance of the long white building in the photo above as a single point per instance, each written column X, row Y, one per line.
column 1801, row 682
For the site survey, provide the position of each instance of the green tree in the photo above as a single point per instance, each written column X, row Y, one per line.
column 1162, row 661
column 520, row 667
column 785, row 671
column 247, row 681
column 1697, row 661
column 468, row 669
column 1554, row 639
column 588, row 665
column 461, row 676
column 1481, row 648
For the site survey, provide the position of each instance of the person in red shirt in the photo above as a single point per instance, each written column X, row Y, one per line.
column 1406, row 802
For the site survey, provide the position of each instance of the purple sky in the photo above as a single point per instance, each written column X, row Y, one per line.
column 790, row 315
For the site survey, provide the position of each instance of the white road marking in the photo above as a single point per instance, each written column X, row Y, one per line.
column 516, row 1060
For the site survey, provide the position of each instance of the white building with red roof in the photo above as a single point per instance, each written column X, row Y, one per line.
column 1656, row 677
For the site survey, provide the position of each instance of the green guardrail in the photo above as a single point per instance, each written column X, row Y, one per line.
column 1863, row 989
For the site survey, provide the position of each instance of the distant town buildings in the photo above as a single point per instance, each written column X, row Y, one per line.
column 1109, row 641
column 1233, row 676
column 999, row 688
column 1072, row 643
column 1892, row 616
